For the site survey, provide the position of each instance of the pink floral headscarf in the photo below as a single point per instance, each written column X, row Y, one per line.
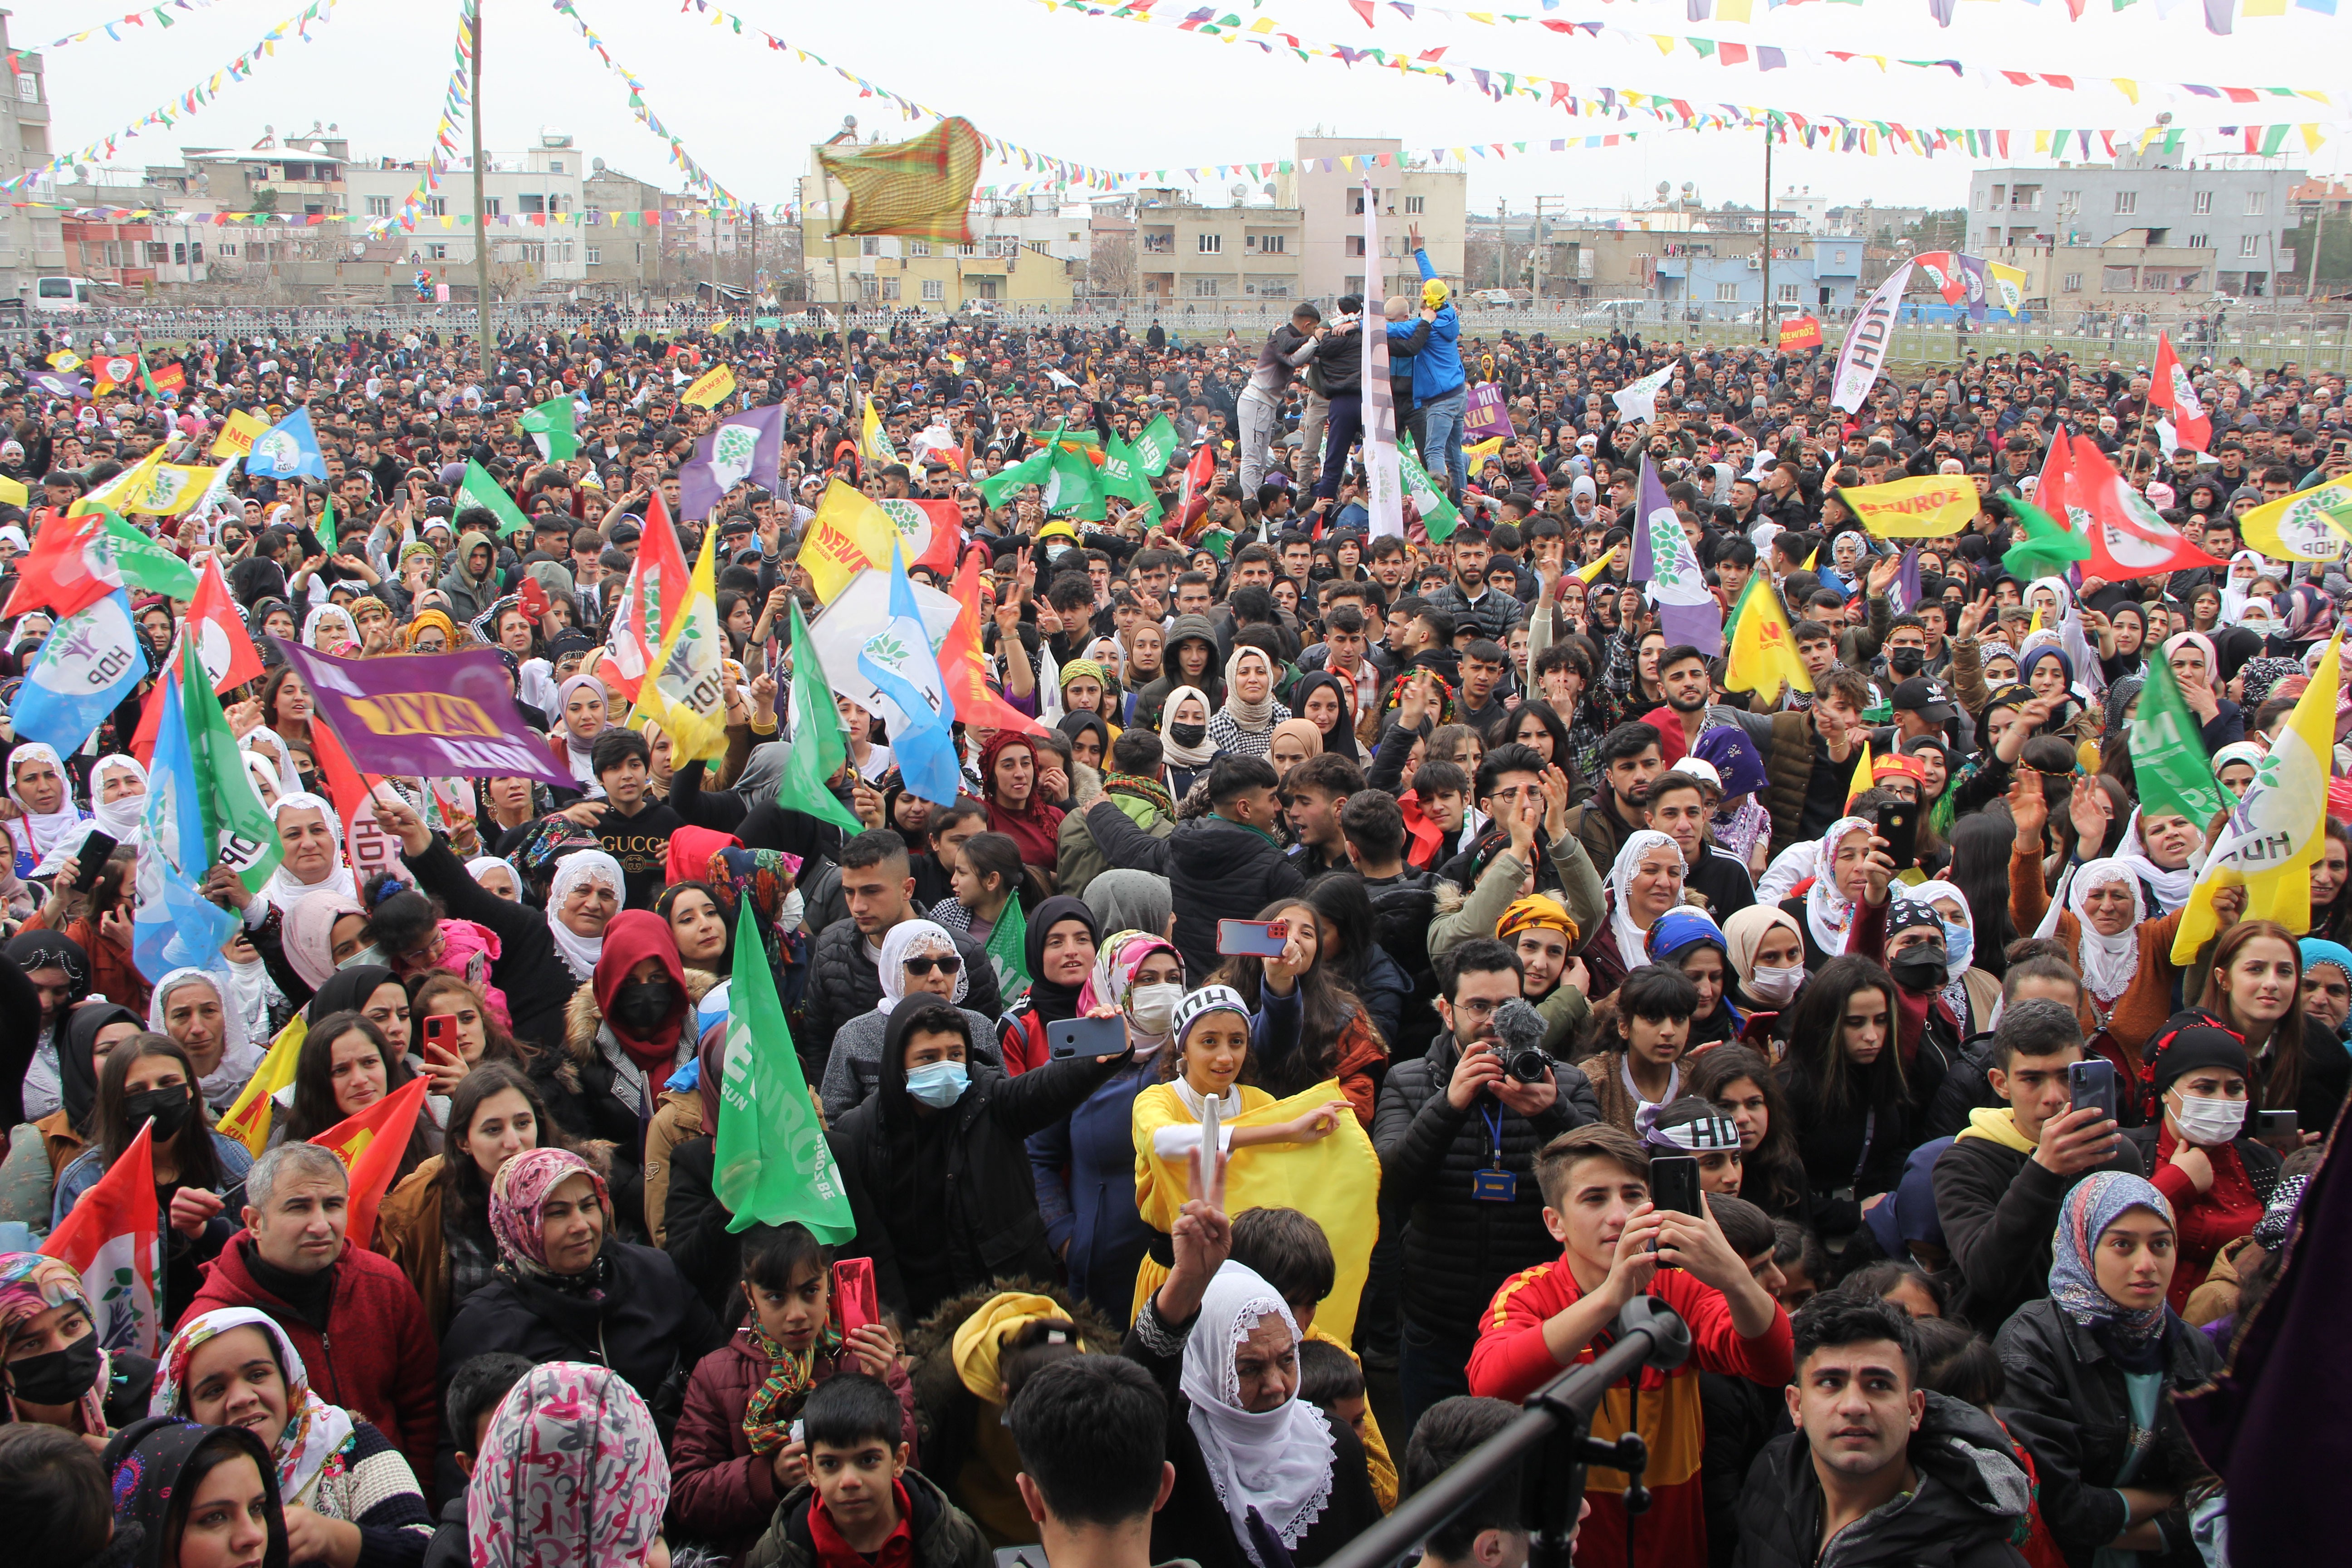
column 571, row 1472
column 31, row 1284
column 314, row 1429
column 519, row 1191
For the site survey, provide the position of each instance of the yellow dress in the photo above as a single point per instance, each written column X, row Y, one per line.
column 1335, row 1180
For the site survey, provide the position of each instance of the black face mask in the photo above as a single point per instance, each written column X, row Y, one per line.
column 60, row 1377
column 1920, row 968
column 167, row 1107
column 1188, row 734
column 643, row 1004
column 1905, row 662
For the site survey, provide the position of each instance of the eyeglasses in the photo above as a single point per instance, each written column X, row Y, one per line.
column 1477, row 1006
column 948, row 964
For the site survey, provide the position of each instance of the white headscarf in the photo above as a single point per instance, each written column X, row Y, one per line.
column 2108, row 964
column 2234, row 597
column 576, row 754
column 581, row 952
column 2171, row 887
column 1181, row 757
column 914, row 939
column 1829, row 913
column 1955, row 994
column 1632, row 942
column 284, row 888
column 239, row 1057
column 264, row 778
column 482, row 863
column 320, row 617
column 289, row 780
column 48, row 833
column 1276, row 1462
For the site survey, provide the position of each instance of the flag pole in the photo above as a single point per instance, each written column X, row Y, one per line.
column 481, row 222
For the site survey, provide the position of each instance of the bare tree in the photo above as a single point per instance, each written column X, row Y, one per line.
column 1110, row 271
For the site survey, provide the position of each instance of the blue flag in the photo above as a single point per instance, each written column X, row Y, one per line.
column 899, row 661
column 91, row 663
column 289, row 450
column 175, row 925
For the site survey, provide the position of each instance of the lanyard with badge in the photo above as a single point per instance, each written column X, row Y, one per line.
column 1494, row 1184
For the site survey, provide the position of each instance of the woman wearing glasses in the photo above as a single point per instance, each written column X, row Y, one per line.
column 916, row 956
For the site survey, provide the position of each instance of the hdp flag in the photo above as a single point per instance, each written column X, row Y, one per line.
column 1439, row 516
column 898, row 660
column 1689, row 611
column 817, row 750
column 289, row 450
column 1763, row 655
column 478, row 489
column 749, row 445
column 370, row 1145
column 2170, row 388
column 1072, row 486
column 687, row 694
column 69, row 567
column 920, row 188
column 651, row 601
column 174, row 925
column 553, row 424
column 2309, row 525
column 248, row 1118
column 113, row 1239
column 769, row 1162
column 2170, row 767
column 89, row 666
column 2277, row 829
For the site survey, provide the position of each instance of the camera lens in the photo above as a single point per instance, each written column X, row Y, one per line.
column 1530, row 1066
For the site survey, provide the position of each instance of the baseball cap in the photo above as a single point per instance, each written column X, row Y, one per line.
column 1926, row 698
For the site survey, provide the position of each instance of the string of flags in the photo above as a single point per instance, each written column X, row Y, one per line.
column 695, row 175
column 456, row 104
column 2219, row 17
column 114, row 29
column 185, row 104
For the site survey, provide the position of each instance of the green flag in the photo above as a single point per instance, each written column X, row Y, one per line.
column 2169, row 767
column 1155, row 447
column 479, row 488
column 817, row 750
column 769, row 1160
column 1032, row 469
column 1438, row 515
column 1008, row 951
column 1123, row 475
column 237, row 826
column 147, row 564
column 550, row 425
column 1074, row 488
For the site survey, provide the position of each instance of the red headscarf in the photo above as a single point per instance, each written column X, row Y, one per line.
column 1036, row 826
column 690, row 849
column 632, row 937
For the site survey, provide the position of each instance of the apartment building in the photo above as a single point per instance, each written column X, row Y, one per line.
column 31, row 243
column 1330, row 198
column 523, row 192
column 1015, row 259
column 2233, row 208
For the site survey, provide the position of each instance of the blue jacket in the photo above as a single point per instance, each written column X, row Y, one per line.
column 1084, row 1169
column 1437, row 369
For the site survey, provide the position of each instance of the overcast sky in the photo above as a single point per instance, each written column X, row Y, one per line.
column 1125, row 95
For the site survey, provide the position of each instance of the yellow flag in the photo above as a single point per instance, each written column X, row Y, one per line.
column 844, row 539
column 15, row 493
column 237, row 435
column 1491, row 444
column 1763, row 655
column 1812, row 559
column 1588, row 574
column 686, row 692
column 1927, row 507
column 2309, row 525
column 873, row 441
column 2036, row 625
column 1862, row 779
column 168, row 490
column 710, row 389
column 248, row 1121
column 117, row 491
column 2278, row 827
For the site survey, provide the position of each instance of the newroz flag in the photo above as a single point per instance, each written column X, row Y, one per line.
column 1193, row 499
column 2309, row 525
column 1689, row 611
column 2278, row 827
column 1868, row 341
column 769, row 1160
column 741, row 447
column 1384, row 475
column 113, row 1239
column 651, row 601
column 91, row 663
column 710, row 389
column 2128, row 538
column 2170, row 388
column 1927, row 506
column 1123, row 476
column 1639, row 401
column 239, row 432
column 899, row 661
column 842, row 537
column 1763, row 654
column 478, row 489
column 686, row 694
column 1155, row 447
column 553, row 426
column 1032, row 470
column 248, row 1118
column 371, row 1144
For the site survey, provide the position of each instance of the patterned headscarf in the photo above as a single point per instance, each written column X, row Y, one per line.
column 2097, row 1201
column 424, row 618
column 767, row 1416
column 1535, row 912
column 1828, row 911
column 519, row 1191
column 147, row 1460
column 571, row 1471
column 1117, row 959
column 30, row 1285
column 314, row 1429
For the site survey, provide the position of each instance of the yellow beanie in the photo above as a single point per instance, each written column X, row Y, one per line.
column 980, row 1337
column 1433, row 292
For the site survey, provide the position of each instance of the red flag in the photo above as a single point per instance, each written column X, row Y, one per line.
column 965, row 670
column 60, row 572
column 368, row 846
column 2170, row 389
column 1195, row 488
column 229, row 656
column 2052, row 493
column 661, row 571
column 2128, row 538
column 113, row 1239
column 171, row 378
column 944, row 522
column 370, row 1146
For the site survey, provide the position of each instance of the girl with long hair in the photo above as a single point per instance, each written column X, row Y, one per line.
column 1307, row 1026
column 1843, row 1082
column 1741, row 1084
column 2255, row 989
column 346, row 1065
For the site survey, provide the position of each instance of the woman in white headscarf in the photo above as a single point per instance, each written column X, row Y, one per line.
column 331, row 631
column 314, row 860
column 1263, row 1476
column 266, row 780
column 497, row 874
column 2238, row 586
column 118, row 797
column 1244, row 727
column 580, row 717
column 1825, row 910
column 1972, row 994
column 188, row 1006
column 916, row 955
column 1184, row 745
column 575, row 917
column 50, row 822
column 1644, row 881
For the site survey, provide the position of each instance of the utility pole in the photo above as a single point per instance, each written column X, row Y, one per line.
column 1502, row 241
column 1541, row 249
column 488, row 333
column 2318, row 224
column 1764, row 314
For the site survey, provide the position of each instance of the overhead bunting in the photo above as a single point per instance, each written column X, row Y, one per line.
column 116, row 30
column 696, row 175
column 456, row 100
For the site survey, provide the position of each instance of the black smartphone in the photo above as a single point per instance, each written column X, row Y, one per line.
column 91, row 859
column 1674, row 1184
column 1086, row 1038
column 2281, row 1125
column 1899, row 824
column 2092, row 1083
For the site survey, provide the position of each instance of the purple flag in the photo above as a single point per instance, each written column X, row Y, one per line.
column 56, row 383
column 1972, row 278
column 1486, row 414
column 1689, row 611
column 427, row 715
column 747, row 445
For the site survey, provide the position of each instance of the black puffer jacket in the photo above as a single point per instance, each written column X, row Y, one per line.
column 1216, row 870
column 1970, row 1495
column 844, row 982
column 1459, row 1250
column 1999, row 1211
column 1403, row 905
column 536, row 980
column 2067, row 1403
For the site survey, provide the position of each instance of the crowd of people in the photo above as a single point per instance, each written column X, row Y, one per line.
column 1522, row 967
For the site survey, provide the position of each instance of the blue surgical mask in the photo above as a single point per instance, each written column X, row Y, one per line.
column 1960, row 944
column 938, row 1085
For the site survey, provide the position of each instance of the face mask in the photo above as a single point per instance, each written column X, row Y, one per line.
column 642, row 1005
column 940, row 1085
column 1906, row 662
column 1776, row 986
column 167, row 1107
column 1959, row 943
column 365, row 958
column 1152, row 1007
column 59, row 1377
column 1188, row 735
column 2209, row 1121
column 1920, row 968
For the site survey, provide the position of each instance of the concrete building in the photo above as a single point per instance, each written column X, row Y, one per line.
column 1809, row 274
column 2233, row 208
column 1329, row 199
column 2127, row 274
column 524, row 191
column 621, row 253
column 30, row 241
column 1005, row 264
column 1191, row 253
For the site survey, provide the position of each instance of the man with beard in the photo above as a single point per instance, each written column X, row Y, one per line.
column 1682, row 676
column 1631, row 761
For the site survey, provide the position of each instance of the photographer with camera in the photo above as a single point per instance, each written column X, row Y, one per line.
column 1457, row 1132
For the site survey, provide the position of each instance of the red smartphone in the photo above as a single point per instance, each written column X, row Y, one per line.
column 854, row 1294
column 441, row 1029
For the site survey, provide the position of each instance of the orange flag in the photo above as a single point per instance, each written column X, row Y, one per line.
column 965, row 669
column 113, row 1240
column 370, row 1146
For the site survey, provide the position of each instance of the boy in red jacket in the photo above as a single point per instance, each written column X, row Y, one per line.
column 1595, row 1181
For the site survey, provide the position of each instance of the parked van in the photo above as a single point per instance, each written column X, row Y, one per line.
column 66, row 295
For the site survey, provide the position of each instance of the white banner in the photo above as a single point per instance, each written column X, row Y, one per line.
column 1639, row 401
column 1383, row 478
column 1867, row 342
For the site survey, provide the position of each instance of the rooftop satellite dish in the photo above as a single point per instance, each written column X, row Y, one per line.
column 1666, row 189
column 598, row 164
